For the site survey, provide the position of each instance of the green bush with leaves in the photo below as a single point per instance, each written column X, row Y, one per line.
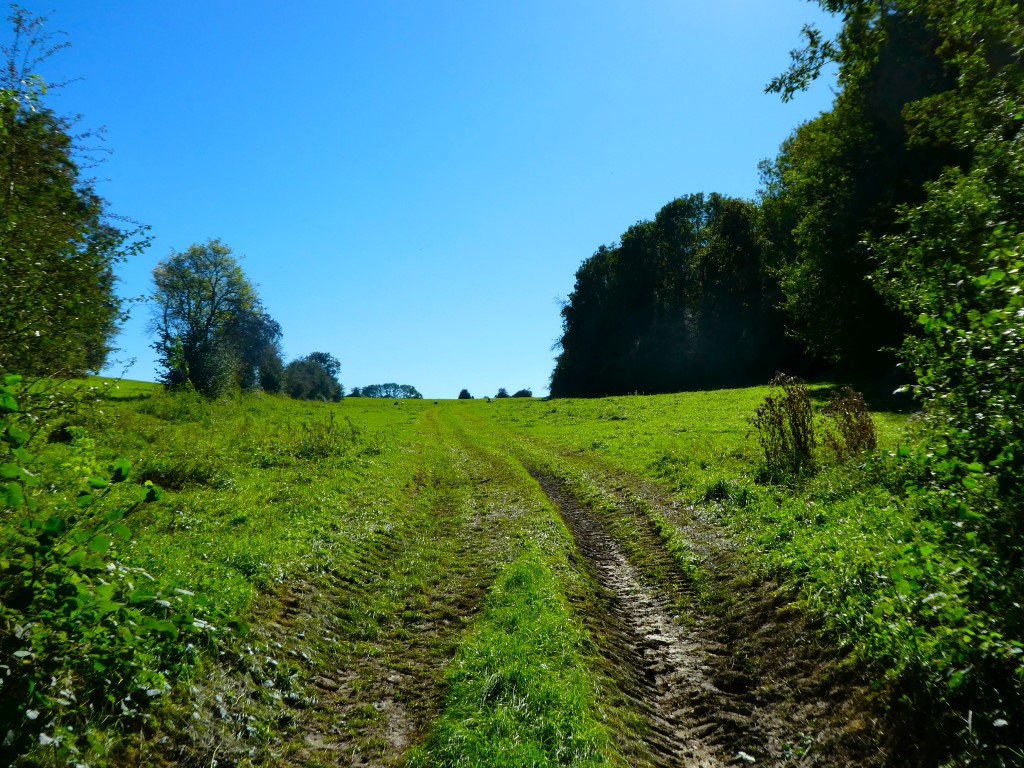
column 84, row 639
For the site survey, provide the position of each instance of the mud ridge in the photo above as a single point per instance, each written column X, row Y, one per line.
column 739, row 686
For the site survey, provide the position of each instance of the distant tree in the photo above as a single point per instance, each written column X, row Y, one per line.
column 356, row 392
column 464, row 395
column 502, row 392
column 211, row 329
column 314, row 377
column 392, row 390
column 58, row 244
column 523, row 393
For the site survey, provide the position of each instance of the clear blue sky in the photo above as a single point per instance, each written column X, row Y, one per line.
column 413, row 183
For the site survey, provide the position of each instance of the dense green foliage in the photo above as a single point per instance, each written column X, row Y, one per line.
column 914, row 166
column 212, row 332
column 58, row 244
column 392, row 390
column 84, row 637
column 314, row 377
column 682, row 302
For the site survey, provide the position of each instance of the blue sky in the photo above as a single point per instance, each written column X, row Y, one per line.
column 413, row 183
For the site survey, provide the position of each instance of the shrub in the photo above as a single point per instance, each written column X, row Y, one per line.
column 84, row 639
column 784, row 424
column 850, row 431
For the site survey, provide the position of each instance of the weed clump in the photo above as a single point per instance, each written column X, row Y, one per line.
column 787, row 431
column 784, row 424
column 852, row 430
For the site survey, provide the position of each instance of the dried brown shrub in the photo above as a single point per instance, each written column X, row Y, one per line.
column 851, row 430
column 784, row 424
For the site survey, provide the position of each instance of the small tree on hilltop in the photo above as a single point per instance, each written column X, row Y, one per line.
column 502, row 392
column 464, row 395
column 314, row 377
column 523, row 393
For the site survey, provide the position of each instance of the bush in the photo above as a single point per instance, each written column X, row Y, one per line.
column 851, row 430
column 84, row 638
column 784, row 424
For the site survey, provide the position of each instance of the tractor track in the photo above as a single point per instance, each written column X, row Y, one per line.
column 710, row 690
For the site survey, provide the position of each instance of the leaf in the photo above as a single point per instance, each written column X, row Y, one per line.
column 7, row 402
column 100, row 543
column 54, row 524
column 970, row 483
column 905, row 587
column 105, row 591
column 98, row 482
column 76, row 558
column 9, row 471
column 121, row 468
column 240, row 627
column 16, row 437
column 11, row 495
column 122, row 530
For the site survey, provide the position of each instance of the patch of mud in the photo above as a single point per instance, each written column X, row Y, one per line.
column 740, row 682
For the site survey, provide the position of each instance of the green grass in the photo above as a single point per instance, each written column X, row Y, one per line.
column 396, row 521
column 518, row 690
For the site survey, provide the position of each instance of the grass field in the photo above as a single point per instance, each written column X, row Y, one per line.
column 516, row 582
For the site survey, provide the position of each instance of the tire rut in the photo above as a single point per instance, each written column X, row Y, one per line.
column 660, row 665
column 742, row 677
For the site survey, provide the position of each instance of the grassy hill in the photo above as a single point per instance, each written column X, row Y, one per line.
column 516, row 582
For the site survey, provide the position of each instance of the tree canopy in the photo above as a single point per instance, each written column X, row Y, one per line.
column 681, row 301
column 392, row 390
column 314, row 377
column 59, row 309
column 211, row 330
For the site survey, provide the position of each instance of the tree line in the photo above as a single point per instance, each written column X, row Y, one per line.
column 914, row 167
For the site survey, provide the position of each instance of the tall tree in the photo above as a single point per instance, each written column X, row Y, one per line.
column 211, row 330
column 682, row 301
column 58, row 245
column 839, row 179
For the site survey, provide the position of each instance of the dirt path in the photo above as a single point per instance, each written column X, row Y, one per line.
column 742, row 687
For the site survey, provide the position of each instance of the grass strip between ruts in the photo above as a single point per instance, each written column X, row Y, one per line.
column 519, row 693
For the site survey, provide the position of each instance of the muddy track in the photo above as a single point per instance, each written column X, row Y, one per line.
column 710, row 689
column 659, row 665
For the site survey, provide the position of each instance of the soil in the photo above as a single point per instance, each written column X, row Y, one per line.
column 743, row 681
